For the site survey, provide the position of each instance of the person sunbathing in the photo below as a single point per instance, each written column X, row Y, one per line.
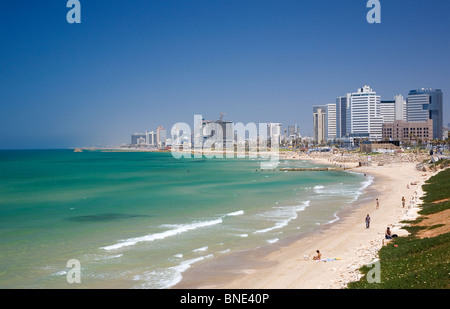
column 388, row 233
column 318, row 256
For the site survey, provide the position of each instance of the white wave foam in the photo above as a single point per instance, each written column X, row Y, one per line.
column 336, row 218
column 179, row 229
column 167, row 277
column 200, row 249
column 271, row 241
column 242, row 235
column 282, row 216
column 236, row 213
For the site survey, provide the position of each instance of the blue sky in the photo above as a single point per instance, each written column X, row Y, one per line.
column 134, row 65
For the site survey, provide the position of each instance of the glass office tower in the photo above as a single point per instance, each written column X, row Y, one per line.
column 423, row 104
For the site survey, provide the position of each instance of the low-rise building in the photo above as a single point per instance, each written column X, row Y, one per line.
column 408, row 131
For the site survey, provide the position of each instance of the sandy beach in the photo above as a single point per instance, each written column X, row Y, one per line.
column 345, row 245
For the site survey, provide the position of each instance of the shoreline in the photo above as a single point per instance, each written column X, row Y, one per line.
column 346, row 243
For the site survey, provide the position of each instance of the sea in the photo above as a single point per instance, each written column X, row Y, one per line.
column 111, row 219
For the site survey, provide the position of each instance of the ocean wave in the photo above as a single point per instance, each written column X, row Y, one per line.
column 272, row 241
column 318, row 188
column 167, row 277
column 282, row 215
column 242, row 235
column 345, row 190
column 336, row 218
column 236, row 213
column 175, row 229
column 364, row 185
column 179, row 229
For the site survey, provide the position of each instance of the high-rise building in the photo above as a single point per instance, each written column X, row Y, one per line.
column 138, row 139
column 319, row 122
column 293, row 131
column 341, row 116
column 274, row 132
column 363, row 114
column 220, row 133
column 400, row 107
column 387, row 111
column 426, row 103
column 161, row 136
column 151, row 138
column 331, row 121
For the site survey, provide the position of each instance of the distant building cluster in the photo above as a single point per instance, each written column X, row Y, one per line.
column 363, row 115
column 227, row 134
column 151, row 139
column 217, row 133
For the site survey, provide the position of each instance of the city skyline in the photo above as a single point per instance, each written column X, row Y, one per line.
column 130, row 68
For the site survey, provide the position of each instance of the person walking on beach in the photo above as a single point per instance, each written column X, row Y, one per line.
column 367, row 221
column 403, row 201
column 378, row 204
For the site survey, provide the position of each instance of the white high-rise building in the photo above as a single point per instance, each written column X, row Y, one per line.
column 387, row 110
column 393, row 109
column 151, row 138
column 363, row 114
column 400, row 107
column 331, row 121
column 274, row 132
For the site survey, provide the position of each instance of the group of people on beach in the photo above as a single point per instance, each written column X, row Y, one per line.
column 387, row 234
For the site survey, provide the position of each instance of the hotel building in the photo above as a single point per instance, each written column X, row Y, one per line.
column 363, row 114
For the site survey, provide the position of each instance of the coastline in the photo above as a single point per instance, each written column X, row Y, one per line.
column 346, row 242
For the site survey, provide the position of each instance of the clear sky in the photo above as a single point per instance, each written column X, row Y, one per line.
column 134, row 65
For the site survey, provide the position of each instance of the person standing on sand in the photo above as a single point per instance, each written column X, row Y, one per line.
column 378, row 204
column 403, row 201
column 367, row 221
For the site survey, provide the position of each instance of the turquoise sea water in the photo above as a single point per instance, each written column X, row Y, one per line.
column 139, row 219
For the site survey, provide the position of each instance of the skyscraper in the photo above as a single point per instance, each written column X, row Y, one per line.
column 161, row 136
column 274, row 133
column 387, row 110
column 363, row 114
column 331, row 121
column 319, row 121
column 341, row 116
column 426, row 103
column 400, row 107
column 293, row 131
